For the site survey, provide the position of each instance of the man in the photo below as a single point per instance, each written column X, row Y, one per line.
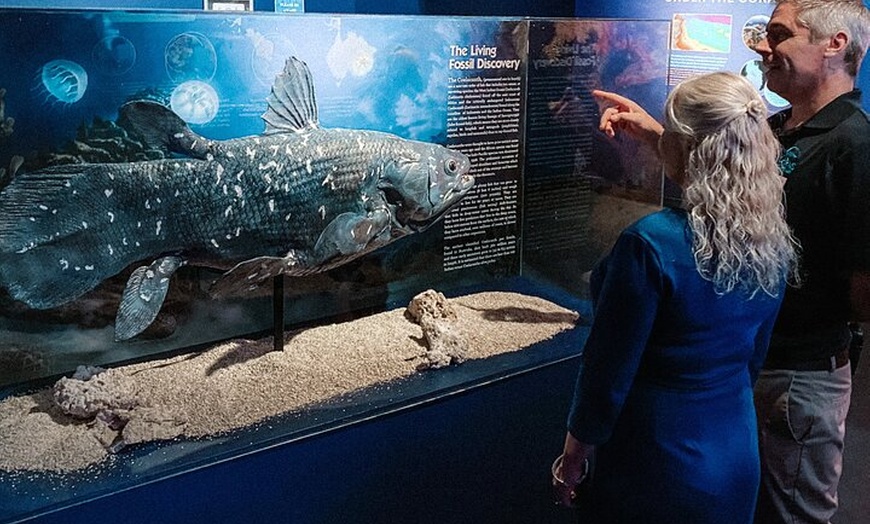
column 811, row 58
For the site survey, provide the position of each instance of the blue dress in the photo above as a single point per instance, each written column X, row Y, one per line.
column 664, row 388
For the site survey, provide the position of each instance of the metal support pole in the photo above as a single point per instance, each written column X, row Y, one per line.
column 278, row 313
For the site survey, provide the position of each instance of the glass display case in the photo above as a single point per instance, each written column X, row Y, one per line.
column 183, row 189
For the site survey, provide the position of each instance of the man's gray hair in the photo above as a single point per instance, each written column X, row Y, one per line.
column 825, row 18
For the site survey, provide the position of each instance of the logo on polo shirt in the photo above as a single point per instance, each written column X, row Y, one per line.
column 789, row 160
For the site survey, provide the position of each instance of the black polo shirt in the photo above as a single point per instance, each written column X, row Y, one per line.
column 826, row 162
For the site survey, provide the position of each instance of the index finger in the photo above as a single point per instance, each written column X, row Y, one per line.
column 615, row 99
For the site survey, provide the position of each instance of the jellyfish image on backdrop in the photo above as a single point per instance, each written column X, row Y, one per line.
column 114, row 55
column 195, row 102
column 64, row 80
column 190, row 56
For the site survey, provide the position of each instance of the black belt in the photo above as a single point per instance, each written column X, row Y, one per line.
column 819, row 364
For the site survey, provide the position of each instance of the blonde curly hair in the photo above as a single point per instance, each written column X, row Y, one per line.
column 732, row 185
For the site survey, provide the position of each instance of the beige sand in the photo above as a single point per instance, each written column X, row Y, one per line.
column 242, row 382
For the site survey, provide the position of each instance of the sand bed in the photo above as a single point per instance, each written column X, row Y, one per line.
column 242, row 382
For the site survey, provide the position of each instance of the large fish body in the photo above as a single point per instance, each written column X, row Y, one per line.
column 297, row 200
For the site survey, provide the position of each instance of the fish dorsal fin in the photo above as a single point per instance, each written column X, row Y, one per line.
column 160, row 128
column 292, row 106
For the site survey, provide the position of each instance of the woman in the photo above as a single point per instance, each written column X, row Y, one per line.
column 684, row 307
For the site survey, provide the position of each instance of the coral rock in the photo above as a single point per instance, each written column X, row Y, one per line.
column 437, row 318
column 91, row 391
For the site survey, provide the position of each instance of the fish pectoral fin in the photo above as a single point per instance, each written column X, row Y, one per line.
column 144, row 295
column 350, row 233
column 292, row 105
column 248, row 275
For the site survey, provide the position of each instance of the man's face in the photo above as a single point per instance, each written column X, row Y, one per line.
column 794, row 64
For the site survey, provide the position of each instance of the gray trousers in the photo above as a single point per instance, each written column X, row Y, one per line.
column 802, row 425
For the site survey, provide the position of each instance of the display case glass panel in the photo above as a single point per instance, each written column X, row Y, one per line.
column 159, row 158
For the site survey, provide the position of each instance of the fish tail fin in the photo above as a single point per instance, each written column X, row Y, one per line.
column 52, row 252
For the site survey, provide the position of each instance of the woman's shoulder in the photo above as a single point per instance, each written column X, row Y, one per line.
column 664, row 223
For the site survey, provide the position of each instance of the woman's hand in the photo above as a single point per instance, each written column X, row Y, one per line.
column 623, row 114
column 571, row 469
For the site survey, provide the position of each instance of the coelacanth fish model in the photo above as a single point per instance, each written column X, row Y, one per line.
column 297, row 200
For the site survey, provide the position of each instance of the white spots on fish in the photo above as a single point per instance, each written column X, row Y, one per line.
column 251, row 152
column 147, row 204
column 308, row 167
column 238, row 232
column 239, row 175
column 287, row 217
column 177, row 192
column 139, row 225
column 43, row 207
column 328, row 180
column 111, row 217
column 291, row 259
column 67, row 184
column 27, row 248
column 230, row 154
column 215, row 243
column 108, row 192
column 124, row 241
column 178, row 135
column 239, row 191
column 228, row 211
column 112, row 175
column 271, row 205
column 322, row 211
column 84, row 224
column 138, row 244
column 219, row 173
column 226, row 190
column 209, row 157
column 64, row 264
column 89, row 267
column 110, row 249
column 271, row 164
column 275, row 149
column 157, row 229
column 32, row 219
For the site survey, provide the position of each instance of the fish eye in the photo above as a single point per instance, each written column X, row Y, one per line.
column 451, row 166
